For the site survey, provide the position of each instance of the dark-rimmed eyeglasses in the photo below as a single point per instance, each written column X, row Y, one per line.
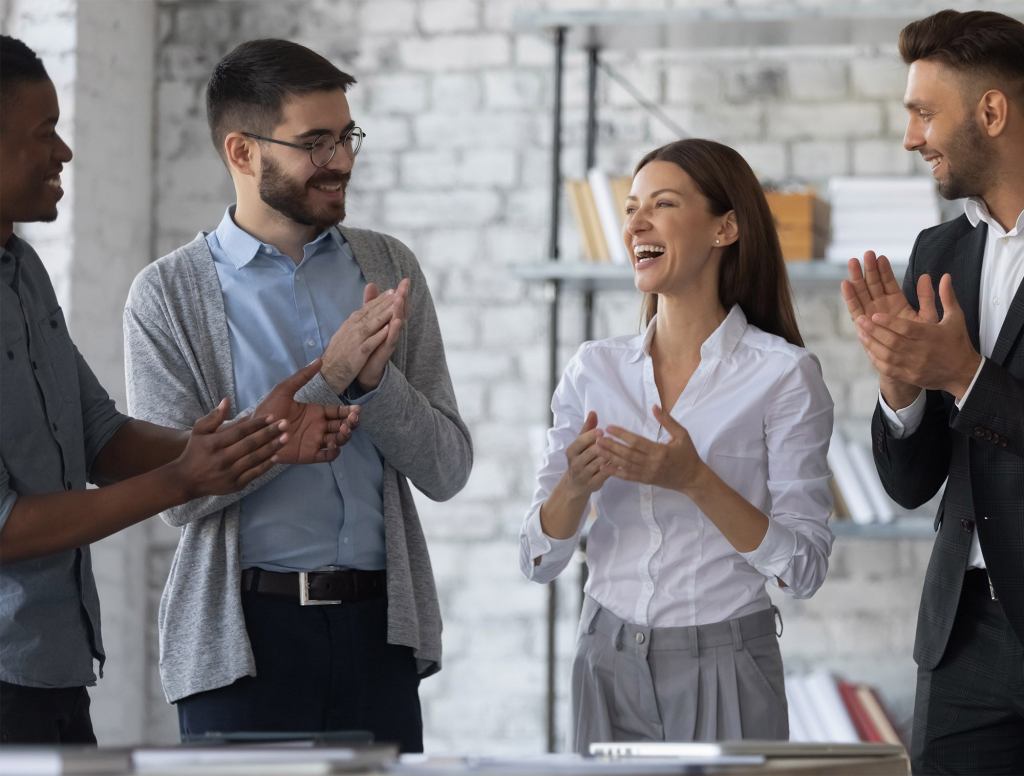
column 322, row 147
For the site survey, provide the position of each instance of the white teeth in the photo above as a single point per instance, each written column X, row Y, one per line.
column 331, row 187
column 648, row 251
column 54, row 181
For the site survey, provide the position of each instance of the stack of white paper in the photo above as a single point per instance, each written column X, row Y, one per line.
column 884, row 215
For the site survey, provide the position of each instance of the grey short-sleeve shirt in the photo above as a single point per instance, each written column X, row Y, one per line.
column 55, row 417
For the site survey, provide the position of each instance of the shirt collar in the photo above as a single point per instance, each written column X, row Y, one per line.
column 240, row 247
column 977, row 211
column 719, row 345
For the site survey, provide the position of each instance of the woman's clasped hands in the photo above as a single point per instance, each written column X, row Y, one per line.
column 597, row 454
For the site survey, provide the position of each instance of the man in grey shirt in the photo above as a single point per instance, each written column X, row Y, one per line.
column 276, row 284
column 59, row 429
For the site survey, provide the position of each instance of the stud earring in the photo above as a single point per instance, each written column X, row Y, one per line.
column 717, row 241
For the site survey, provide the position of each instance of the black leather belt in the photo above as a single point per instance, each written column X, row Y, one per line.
column 340, row 586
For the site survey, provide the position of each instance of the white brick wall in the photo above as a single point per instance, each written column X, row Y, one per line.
column 455, row 102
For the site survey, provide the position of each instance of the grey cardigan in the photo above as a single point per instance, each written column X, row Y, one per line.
column 178, row 366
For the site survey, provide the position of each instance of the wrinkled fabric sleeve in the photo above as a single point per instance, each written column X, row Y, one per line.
column 553, row 554
column 412, row 415
column 7, row 495
column 798, row 427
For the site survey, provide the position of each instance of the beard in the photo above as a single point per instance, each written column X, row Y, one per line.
column 974, row 163
column 290, row 198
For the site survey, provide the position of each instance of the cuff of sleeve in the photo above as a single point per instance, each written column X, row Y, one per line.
column 355, row 395
column 6, row 507
column 775, row 553
column 962, row 400
column 548, row 549
column 903, row 422
column 318, row 391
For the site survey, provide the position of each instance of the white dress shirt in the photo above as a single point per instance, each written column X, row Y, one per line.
column 759, row 415
column 1002, row 269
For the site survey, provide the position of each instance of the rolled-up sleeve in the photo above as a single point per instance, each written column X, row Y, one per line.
column 7, row 495
column 798, row 427
column 541, row 557
column 100, row 418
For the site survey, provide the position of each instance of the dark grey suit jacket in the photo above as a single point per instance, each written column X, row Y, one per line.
column 980, row 449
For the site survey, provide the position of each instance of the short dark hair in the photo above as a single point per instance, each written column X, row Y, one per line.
column 249, row 86
column 18, row 64
column 976, row 43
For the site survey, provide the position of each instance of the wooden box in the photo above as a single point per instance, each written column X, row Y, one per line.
column 801, row 220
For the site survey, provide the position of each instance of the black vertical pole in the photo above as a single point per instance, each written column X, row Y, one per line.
column 590, row 159
column 556, row 291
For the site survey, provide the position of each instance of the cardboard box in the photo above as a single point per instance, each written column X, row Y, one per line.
column 801, row 220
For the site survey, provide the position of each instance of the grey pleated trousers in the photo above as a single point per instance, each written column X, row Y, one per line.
column 715, row 682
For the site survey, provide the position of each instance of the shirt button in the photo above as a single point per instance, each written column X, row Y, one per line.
column 10, row 354
column 310, row 343
column 640, row 638
column 53, row 324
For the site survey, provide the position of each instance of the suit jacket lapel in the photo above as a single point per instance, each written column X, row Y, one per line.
column 967, row 258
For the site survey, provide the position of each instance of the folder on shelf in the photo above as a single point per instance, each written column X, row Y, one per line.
column 588, row 224
column 611, row 214
column 848, row 481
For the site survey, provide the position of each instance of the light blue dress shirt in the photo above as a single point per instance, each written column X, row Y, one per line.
column 281, row 315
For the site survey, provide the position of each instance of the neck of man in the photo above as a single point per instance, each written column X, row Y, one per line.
column 273, row 228
column 1005, row 201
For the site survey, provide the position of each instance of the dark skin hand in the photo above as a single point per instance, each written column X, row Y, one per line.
column 160, row 468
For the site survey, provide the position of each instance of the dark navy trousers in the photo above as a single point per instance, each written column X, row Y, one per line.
column 319, row 669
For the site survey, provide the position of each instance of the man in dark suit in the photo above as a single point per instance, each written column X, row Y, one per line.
column 951, row 404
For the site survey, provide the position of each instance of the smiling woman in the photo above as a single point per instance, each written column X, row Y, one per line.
column 700, row 445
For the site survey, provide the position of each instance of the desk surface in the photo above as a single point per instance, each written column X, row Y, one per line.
column 307, row 761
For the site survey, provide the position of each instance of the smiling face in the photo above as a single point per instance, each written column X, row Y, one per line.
column 670, row 231
column 32, row 155
column 289, row 182
column 943, row 128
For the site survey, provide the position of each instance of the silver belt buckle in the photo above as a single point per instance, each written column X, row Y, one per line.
column 304, row 599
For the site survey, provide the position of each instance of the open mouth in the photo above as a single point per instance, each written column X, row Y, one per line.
column 329, row 188
column 647, row 254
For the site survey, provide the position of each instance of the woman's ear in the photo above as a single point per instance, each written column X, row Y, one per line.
column 728, row 230
column 241, row 154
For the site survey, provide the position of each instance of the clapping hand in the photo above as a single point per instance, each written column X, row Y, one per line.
column 673, row 464
column 316, row 432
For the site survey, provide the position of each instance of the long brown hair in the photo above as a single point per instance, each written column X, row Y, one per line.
column 752, row 273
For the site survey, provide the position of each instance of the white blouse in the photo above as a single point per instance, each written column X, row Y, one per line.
column 759, row 414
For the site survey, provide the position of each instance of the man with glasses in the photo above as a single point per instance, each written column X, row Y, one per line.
column 306, row 603
column 59, row 430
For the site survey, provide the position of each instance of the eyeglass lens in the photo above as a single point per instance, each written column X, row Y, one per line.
column 323, row 148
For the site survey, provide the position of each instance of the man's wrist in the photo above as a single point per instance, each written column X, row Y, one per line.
column 898, row 395
column 965, row 377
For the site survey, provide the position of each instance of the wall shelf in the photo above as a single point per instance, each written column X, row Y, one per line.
column 590, row 277
column 904, row 527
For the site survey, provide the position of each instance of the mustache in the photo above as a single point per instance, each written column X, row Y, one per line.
column 329, row 178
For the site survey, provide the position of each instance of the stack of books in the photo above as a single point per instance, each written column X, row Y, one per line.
column 859, row 493
column 598, row 205
column 884, row 215
column 824, row 708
